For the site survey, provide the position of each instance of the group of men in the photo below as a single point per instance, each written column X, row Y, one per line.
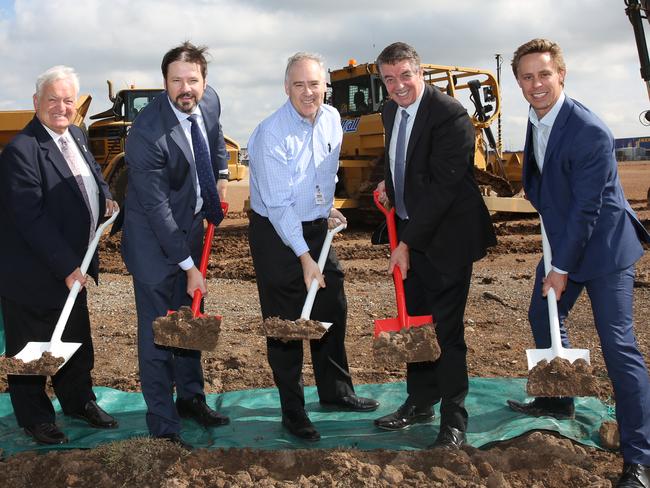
column 51, row 200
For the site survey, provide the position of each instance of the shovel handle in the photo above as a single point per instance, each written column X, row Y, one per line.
column 390, row 220
column 76, row 286
column 551, row 298
column 205, row 257
column 313, row 288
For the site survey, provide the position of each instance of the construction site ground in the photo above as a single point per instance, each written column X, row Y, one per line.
column 497, row 335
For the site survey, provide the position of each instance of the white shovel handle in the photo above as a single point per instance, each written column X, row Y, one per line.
column 313, row 288
column 76, row 286
column 554, row 319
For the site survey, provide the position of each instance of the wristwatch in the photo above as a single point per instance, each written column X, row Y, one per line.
column 224, row 176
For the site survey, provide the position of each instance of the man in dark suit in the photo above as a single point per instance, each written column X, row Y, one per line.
column 52, row 196
column 175, row 151
column 443, row 227
column 595, row 241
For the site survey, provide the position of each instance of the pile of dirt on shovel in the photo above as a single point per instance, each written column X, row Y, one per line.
column 181, row 329
column 409, row 345
column 290, row 330
column 46, row 365
column 560, row 377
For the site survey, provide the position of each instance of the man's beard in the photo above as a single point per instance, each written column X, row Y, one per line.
column 189, row 107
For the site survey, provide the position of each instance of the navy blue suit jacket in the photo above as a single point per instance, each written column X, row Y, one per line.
column 448, row 220
column 43, row 217
column 591, row 227
column 161, row 195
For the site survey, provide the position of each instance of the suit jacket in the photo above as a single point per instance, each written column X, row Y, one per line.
column 43, row 217
column 161, row 194
column 448, row 219
column 591, row 227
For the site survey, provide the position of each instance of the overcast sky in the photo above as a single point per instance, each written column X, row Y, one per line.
column 250, row 40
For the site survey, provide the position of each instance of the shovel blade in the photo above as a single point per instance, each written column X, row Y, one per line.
column 534, row 356
column 393, row 324
column 34, row 351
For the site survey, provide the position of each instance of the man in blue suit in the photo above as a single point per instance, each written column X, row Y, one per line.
column 52, row 197
column 570, row 176
column 166, row 202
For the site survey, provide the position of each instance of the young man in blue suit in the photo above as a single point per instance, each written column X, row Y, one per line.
column 570, row 176
column 52, row 197
column 177, row 162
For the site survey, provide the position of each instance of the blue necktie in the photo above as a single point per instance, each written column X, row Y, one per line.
column 400, row 166
column 211, row 203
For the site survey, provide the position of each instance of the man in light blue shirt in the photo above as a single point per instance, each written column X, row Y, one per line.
column 294, row 157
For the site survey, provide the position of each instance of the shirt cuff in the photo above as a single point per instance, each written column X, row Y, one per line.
column 560, row 271
column 187, row 263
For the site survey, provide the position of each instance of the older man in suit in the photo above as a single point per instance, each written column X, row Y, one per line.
column 571, row 177
column 52, row 196
column 443, row 227
column 176, row 154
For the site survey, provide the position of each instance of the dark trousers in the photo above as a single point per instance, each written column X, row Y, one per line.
column 163, row 368
column 611, row 299
column 282, row 294
column 72, row 383
column 444, row 296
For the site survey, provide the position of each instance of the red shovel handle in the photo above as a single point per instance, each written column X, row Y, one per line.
column 205, row 255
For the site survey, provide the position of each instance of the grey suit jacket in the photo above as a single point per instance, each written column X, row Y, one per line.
column 161, row 194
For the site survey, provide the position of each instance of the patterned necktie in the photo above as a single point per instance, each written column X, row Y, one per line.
column 74, row 164
column 211, row 204
column 400, row 166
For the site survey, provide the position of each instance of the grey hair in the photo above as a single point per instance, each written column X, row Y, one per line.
column 55, row 73
column 302, row 56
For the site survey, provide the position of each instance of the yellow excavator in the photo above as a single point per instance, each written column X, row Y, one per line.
column 358, row 93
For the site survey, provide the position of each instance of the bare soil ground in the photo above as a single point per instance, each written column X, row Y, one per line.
column 497, row 334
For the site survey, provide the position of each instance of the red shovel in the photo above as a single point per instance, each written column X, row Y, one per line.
column 182, row 321
column 403, row 319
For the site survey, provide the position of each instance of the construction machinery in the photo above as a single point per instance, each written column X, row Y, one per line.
column 107, row 135
column 358, row 93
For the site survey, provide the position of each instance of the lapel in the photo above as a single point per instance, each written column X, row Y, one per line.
column 53, row 154
column 209, row 109
column 420, row 121
column 173, row 126
column 558, row 127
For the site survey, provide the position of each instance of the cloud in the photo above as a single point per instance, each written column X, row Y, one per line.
column 250, row 41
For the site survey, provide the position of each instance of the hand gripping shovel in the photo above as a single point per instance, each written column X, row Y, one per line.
column 188, row 328
column 403, row 319
column 288, row 329
column 402, row 338
column 534, row 356
column 34, row 350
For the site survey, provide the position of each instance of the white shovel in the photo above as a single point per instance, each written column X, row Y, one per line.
column 311, row 294
column 556, row 350
column 34, row 350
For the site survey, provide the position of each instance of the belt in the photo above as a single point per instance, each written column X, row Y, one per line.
column 317, row 222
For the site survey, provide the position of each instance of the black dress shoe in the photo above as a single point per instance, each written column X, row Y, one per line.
column 545, row 407
column 404, row 417
column 178, row 440
column 634, row 476
column 449, row 438
column 95, row 416
column 299, row 425
column 196, row 408
column 46, row 433
column 353, row 403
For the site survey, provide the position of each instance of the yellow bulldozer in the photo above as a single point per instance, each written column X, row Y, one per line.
column 107, row 135
column 359, row 94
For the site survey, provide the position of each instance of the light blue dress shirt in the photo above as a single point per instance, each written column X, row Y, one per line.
column 293, row 167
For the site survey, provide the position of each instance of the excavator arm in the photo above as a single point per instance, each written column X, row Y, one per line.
column 636, row 11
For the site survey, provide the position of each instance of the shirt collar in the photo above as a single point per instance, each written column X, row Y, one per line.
column 55, row 135
column 549, row 119
column 182, row 116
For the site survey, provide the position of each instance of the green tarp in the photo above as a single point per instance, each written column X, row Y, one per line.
column 255, row 420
